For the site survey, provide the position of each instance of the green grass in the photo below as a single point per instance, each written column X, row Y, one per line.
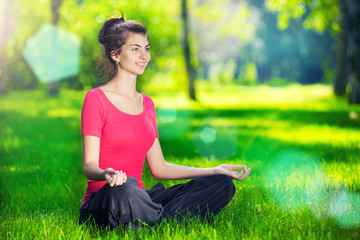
column 300, row 141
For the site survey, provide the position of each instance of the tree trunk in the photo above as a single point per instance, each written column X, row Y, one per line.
column 54, row 87
column 55, row 5
column 3, row 45
column 342, row 73
column 354, row 49
column 205, row 68
column 191, row 73
column 237, row 68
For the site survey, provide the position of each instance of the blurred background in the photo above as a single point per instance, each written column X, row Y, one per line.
column 272, row 84
column 52, row 44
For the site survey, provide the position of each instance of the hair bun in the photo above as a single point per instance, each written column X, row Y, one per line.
column 108, row 24
column 121, row 18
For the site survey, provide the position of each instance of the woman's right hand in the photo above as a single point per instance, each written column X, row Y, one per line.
column 114, row 177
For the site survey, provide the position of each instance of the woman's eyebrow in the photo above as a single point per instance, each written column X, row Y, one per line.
column 139, row 45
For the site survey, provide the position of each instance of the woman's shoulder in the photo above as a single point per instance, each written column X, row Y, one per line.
column 147, row 99
column 94, row 96
column 95, row 91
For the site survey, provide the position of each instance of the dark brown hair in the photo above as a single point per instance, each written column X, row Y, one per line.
column 113, row 35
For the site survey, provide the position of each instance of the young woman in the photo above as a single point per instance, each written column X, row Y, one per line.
column 119, row 132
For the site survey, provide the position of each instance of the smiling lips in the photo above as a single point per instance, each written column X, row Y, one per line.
column 142, row 64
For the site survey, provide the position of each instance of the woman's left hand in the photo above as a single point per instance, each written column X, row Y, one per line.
column 230, row 171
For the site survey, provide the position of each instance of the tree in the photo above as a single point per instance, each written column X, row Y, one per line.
column 4, row 44
column 191, row 73
column 353, row 23
column 53, row 87
column 339, row 16
column 223, row 30
column 342, row 73
column 55, row 5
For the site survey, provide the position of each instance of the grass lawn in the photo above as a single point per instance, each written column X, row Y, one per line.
column 302, row 144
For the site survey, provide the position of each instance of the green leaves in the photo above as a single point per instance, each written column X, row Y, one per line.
column 321, row 13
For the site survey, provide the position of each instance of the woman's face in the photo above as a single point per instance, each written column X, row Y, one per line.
column 135, row 54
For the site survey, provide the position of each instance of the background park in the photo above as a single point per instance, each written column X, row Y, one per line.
column 271, row 84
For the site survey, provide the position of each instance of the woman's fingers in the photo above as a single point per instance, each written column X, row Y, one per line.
column 232, row 174
column 109, row 176
column 121, row 178
column 246, row 174
column 236, row 167
column 113, row 179
column 230, row 171
column 243, row 174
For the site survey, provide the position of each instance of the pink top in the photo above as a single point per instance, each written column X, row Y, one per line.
column 124, row 138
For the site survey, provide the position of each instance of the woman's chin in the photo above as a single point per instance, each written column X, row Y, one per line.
column 140, row 72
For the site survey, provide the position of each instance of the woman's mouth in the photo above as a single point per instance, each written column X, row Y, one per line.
column 141, row 64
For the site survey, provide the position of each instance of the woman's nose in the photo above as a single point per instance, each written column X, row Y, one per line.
column 143, row 54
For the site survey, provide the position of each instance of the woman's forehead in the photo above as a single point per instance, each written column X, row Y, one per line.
column 136, row 38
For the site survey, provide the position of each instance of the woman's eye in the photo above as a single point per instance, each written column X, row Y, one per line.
column 147, row 49
column 135, row 49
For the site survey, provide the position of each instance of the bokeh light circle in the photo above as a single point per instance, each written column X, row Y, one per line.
column 53, row 53
column 167, row 113
column 289, row 174
column 216, row 137
column 345, row 207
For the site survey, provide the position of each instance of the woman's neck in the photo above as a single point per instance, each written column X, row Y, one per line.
column 123, row 83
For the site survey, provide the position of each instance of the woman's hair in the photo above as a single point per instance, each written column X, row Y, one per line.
column 113, row 35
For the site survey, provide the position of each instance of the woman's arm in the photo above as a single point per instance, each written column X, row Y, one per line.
column 91, row 150
column 161, row 169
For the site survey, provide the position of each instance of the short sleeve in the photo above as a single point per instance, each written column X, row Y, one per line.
column 154, row 123
column 153, row 115
column 92, row 117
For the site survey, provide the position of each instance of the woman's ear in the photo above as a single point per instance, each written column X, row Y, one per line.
column 115, row 56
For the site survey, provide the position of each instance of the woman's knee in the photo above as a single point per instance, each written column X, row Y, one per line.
column 226, row 184
column 220, row 184
column 230, row 185
column 127, row 186
column 222, row 179
column 113, row 195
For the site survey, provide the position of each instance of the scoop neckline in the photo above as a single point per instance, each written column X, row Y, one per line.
column 121, row 111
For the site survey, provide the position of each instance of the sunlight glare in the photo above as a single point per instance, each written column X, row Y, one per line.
column 167, row 113
column 344, row 206
column 216, row 137
column 316, row 195
column 289, row 174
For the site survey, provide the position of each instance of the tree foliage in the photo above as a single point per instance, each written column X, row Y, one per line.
column 233, row 35
column 222, row 30
column 25, row 19
column 321, row 15
column 338, row 16
column 232, row 41
column 87, row 17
